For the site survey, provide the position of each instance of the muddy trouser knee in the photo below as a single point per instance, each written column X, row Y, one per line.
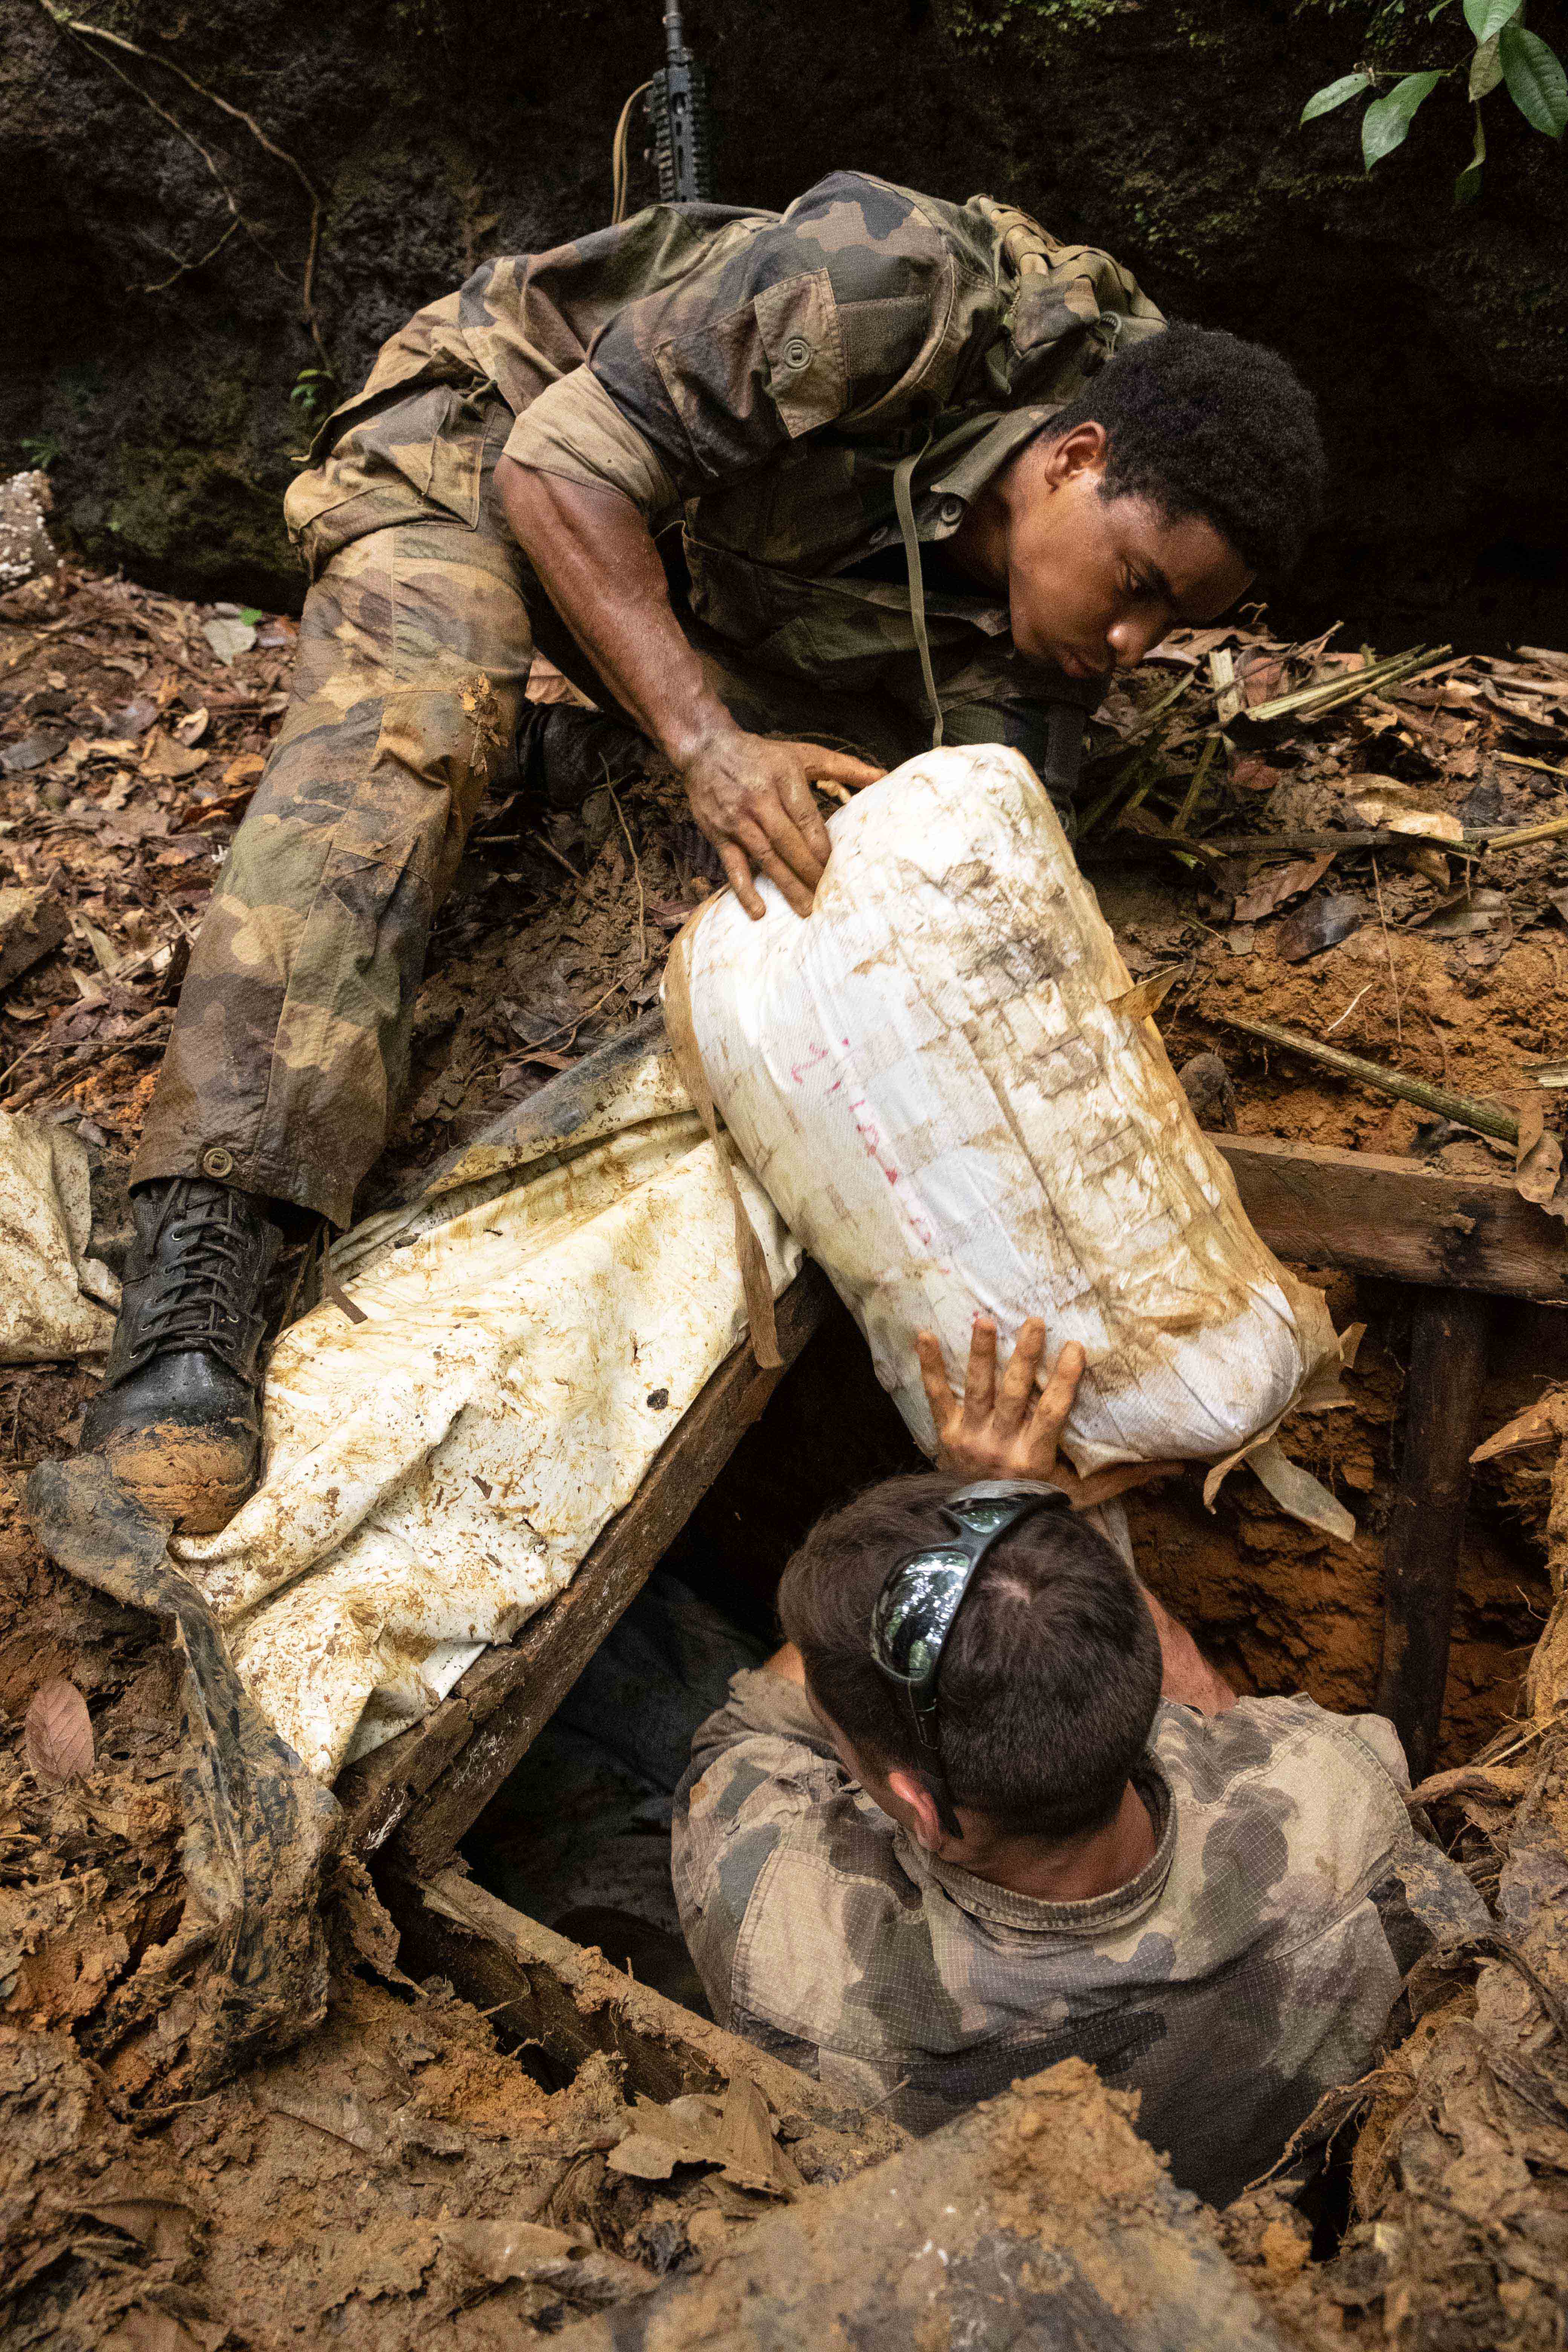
column 292, row 1038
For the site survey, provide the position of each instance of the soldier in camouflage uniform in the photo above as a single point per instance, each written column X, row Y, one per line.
column 882, row 419
column 1214, row 1901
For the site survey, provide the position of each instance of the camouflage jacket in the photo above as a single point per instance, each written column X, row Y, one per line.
column 1248, row 1969
column 773, row 373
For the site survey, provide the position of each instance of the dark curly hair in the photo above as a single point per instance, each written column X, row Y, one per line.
column 1200, row 423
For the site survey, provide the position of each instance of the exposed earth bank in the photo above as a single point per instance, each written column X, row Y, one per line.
column 156, row 241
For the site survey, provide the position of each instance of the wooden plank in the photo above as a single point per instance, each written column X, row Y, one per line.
column 547, row 1991
column 1426, row 1528
column 1374, row 1214
column 474, row 1737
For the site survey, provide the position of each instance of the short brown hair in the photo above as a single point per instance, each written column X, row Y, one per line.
column 1049, row 1679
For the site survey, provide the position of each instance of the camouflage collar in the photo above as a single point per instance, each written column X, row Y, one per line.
column 977, row 458
column 1100, row 1914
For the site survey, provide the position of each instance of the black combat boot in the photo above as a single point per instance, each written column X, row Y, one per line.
column 179, row 1415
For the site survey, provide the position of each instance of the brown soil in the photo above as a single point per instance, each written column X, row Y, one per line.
column 324, row 2195
column 1282, row 1608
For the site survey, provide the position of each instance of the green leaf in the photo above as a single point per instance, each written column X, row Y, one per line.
column 1536, row 81
column 1468, row 186
column 251, row 613
column 1486, row 68
column 1334, row 93
column 1486, row 18
column 1386, row 125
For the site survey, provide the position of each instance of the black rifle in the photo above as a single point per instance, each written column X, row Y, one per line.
column 678, row 106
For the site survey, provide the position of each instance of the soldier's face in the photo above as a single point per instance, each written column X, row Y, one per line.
column 1094, row 582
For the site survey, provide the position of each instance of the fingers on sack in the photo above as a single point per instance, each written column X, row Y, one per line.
column 933, row 1379
column 738, row 873
column 770, row 836
column 980, row 1379
column 1018, row 1383
column 807, row 817
column 1056, row 1396
column 838, row 767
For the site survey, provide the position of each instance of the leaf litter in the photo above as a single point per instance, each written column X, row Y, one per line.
column 396, row 2172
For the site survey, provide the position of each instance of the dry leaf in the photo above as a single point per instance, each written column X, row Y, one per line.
column 165, row 762
column 193, row 726
column 1396, row 808
column 244, row 769
column 1321, row 923
column 1539, row 1422
column 1284, row 882
column 1538, row 1159
column 57, row 1731
column 1148, row 995
column 228, row 638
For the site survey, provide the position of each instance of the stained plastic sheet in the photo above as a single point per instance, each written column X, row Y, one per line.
column 55, row 1299
column 534, row 1329
column 245, row 1971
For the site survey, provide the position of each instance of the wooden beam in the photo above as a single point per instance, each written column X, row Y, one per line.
column 567, row 1999
column 1421, row 1555
column 1374, row 1214
column 435, row 1780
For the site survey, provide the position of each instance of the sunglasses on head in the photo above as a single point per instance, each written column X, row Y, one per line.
column 919, row 1600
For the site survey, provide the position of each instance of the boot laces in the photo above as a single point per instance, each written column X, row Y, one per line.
column 205, row 1299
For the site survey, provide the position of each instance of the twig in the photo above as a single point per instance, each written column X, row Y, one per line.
column 24, row 1055
column 1345, row 1016
column 550, row 850
column 1518, row 760
column 636, row 866
column 1464, row 1111
column 74, row 1070
column 1388, row 953
column 1194, row 791
column 1552, row 829
column 1312, row 701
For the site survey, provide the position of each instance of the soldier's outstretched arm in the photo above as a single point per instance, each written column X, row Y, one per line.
column 594, row 555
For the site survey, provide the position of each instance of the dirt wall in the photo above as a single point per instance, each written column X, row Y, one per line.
column 155, row 245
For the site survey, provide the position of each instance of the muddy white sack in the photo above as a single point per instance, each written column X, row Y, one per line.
column 932, row 1080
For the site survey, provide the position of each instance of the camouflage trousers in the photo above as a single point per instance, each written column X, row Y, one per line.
column 290, row 1041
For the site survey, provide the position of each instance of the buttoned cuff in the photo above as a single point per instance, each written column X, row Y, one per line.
column 575, row 430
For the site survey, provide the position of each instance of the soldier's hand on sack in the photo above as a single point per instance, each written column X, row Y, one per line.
column 1012, row 1428
column 752, row 797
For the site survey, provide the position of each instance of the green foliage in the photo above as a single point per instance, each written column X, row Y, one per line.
column 1335, row 93
column 40, row 450
column 1536, row 82
column 983, row 21
column 1505, row 52
column 315, row 392
column 1386, row 123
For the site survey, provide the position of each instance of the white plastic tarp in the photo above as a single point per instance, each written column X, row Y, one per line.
column 55, row 1299
column 434, row 1474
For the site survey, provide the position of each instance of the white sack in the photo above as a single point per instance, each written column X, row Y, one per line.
column 931, row 1080
column 54, row 1298
column 434, row 1474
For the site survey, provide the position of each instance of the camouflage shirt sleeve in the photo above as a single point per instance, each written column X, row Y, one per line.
column 575, row 430
column 760, row 1767
column 847, row 309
